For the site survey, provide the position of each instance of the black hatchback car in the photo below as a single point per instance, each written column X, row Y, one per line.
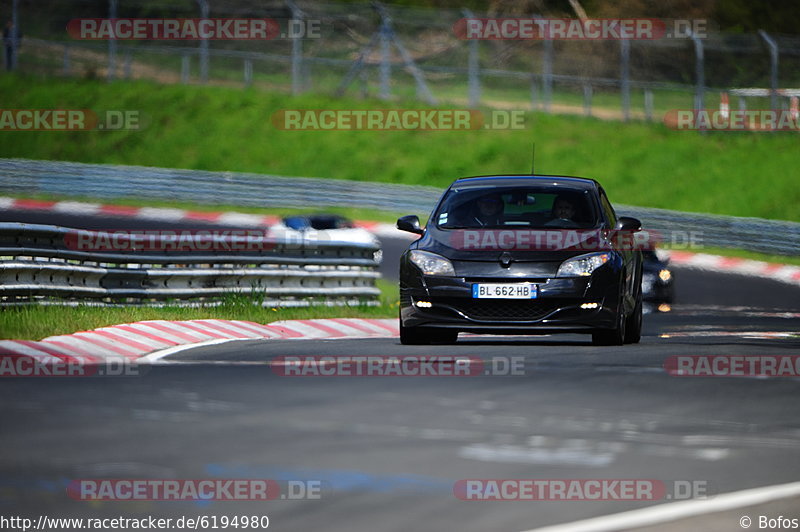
column 522, row 255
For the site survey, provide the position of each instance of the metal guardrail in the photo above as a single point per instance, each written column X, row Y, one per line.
column 21, row 176
column 44, row 261
column 752, row 234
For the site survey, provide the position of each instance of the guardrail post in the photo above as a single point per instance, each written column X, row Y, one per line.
column 625, row 81
column 473, row 69
column 203, row 44
column 112, row 43
column 773, row 68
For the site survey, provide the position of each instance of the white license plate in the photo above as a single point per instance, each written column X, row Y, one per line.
column 504, row 291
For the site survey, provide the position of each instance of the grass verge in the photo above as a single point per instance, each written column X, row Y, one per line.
column 230, row 129
column 35, row 322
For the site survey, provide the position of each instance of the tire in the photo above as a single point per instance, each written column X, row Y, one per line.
column 633, row 325
column 615, row 336
column 444, row 336
column 426, row 336
column 413, row 336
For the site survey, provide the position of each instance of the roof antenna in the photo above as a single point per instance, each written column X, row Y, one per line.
column 533, row 159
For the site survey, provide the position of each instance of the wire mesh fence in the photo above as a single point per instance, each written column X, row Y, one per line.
column 393, row 52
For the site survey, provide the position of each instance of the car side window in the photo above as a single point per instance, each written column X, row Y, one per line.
column 611, row 216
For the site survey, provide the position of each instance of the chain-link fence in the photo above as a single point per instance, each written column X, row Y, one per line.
column 391, row 52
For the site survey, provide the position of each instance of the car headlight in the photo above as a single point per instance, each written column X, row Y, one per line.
column 431, row 263
column 665, row 275
column 583, row 265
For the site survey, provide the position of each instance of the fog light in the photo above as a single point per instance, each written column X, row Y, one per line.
column 665, row 275
column 663, row 307
column 590, row 305
column 424, row 304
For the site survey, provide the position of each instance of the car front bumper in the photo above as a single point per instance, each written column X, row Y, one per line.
column 556, row 309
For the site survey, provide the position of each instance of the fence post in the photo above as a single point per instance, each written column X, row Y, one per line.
column 128, row 64
column 14, row 35
column 699, row 97
column 297, row 50
column 248, row 72
column 547, row 72
column 364, row 84
column 625, row 75
column 473, row 69
column 386, row 66
column 587, row 99
column 534, row 92
column 185, row 68
column 67, row 66
column 112, row 43
column 773, row 68
column 203, row 44
column 648, row 105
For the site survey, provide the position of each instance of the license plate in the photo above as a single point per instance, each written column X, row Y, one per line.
column 505, row 291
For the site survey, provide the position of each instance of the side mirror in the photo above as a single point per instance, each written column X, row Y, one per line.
column 626, row 223
column 410, row 223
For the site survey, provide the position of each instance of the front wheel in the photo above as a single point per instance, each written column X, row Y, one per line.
column 633, row 327
column 615, row 336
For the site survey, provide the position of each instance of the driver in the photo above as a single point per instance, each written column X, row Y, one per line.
column 489, row 210
column 563, row 213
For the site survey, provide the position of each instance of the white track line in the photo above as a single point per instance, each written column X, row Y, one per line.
column 154, row 358
column 159, row 213
column 663, row 513
column 240, row 219
column 77, row 207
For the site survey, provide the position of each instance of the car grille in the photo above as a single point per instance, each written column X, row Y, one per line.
column 504, row 310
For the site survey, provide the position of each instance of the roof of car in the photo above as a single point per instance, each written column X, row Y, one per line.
column 514, row 179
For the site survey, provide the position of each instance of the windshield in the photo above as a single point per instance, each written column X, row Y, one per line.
column 529, row 207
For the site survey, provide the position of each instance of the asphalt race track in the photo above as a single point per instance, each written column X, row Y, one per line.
column 388, row 450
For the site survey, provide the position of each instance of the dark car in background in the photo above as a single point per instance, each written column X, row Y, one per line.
column 658, row 279
column 521, row 255
column 318, row 221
